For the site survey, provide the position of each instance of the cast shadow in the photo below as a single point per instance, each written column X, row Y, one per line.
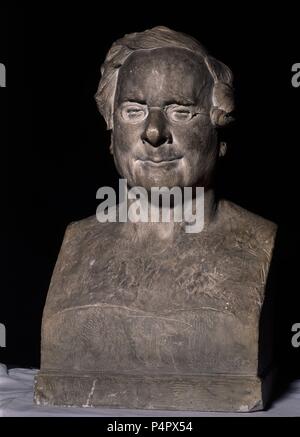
column 278, row 361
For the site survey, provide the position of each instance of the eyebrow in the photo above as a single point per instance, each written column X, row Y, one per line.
column 183, row 102
column 140, row 101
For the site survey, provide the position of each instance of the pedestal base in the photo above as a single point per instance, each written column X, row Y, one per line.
column 218, row 392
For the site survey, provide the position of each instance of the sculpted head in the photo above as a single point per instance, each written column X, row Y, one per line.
column 164, row 99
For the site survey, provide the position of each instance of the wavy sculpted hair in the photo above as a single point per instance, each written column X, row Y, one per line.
column 222, row 97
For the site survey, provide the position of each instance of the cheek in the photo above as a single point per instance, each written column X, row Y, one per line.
column 197, row 140
column 124, row 139
column 125, row 136
column 200, row 147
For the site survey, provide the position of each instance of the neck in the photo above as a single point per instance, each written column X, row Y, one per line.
column 196, row 216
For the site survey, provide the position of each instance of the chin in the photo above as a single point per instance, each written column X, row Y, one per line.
column 154, row 179
column 149, row 176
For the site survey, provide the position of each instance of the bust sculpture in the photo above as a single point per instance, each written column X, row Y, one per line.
column 146, row 315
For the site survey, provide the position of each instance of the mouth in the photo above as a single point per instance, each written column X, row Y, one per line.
column 158, row 162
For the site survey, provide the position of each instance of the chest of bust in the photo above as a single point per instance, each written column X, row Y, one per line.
column 218, row 271
column 185, row 306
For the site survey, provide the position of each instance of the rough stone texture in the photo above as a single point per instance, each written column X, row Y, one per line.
column 147, row 315
column 172, row 392
column 177, row 321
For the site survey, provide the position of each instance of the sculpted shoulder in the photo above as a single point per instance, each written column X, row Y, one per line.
column 90, row 228
column 248, row 228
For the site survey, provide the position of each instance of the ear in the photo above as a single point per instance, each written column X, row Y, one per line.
column 223, row 148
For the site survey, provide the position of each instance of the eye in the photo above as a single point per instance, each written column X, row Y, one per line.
column 179, row 113
column 134, row 113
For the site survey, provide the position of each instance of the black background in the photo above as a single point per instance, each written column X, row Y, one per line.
column 55, row 145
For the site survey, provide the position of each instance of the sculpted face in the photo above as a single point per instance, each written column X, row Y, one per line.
column 162, row 134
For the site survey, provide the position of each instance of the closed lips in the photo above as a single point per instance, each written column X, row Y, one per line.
column 159, row 160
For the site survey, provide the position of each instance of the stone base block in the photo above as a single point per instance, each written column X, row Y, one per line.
column 204, row 392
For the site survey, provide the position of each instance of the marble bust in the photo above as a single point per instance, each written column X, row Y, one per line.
column 145, row 315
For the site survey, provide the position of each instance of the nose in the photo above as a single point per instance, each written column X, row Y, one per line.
column 156, row 130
